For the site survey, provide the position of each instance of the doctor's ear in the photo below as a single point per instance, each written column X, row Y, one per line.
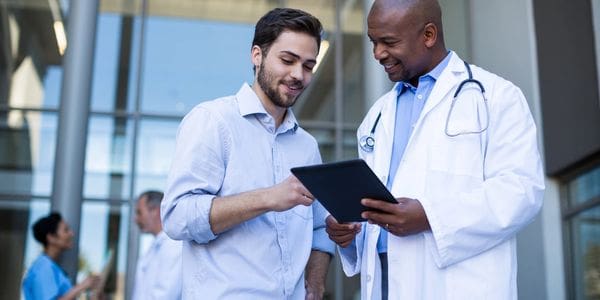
column 430, row 33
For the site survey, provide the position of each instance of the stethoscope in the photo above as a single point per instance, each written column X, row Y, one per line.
column 367, row 142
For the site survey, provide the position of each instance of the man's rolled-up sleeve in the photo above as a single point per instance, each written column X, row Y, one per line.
column 195, row 177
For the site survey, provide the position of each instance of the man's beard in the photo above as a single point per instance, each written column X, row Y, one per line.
column 266, row 78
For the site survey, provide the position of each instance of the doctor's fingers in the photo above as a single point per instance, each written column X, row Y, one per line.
column 379, row 218
column 343, row 240
column 334, row 232
column 332, row 223
column 379, row 205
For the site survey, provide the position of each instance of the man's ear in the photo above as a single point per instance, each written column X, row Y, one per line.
column 430, row 34
column 257, row 56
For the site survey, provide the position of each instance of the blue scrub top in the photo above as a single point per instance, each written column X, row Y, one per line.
column 45, row 280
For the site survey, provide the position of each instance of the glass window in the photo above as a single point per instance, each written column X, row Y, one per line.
column 584, row 187
column 28, row 141
column 104, row 233
column 188, row 61
column 584, row 229
column 115, row 62
column 325, row 139
column 108, row 158
column 19, row 248
column 586, row 254
column 52, row 85
column 155, row 150
column 350, row 144
column 106, row 60
column 32, row 46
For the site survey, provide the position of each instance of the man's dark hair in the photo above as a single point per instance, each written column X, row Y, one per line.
column 273, row 23
column 153, row 198
column 45, row 225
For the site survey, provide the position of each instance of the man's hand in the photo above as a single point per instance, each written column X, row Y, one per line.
column 229, row 211
column 288, row 194
column 341, row 234
column 407, row 217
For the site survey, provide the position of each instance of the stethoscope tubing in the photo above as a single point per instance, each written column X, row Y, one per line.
column 367, row 142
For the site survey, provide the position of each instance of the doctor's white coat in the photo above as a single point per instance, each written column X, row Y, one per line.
column 478, row 191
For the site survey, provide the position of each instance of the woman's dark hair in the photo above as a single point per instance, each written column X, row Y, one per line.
column 45, row 225
column 273, row 23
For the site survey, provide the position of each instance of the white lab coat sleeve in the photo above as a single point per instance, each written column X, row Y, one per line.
column 196, row 175
column 351, row 256
column 168, row 283
column 471, row 213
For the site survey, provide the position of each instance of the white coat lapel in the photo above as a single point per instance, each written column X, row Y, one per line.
column 445, row 83
column 384, row 137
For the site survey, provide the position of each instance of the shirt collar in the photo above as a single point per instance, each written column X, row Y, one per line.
column 249, row 104
column 434, row 74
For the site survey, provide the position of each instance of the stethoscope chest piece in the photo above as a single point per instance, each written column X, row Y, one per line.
column 367, row 143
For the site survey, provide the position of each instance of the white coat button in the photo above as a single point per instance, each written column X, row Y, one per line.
column 368, row 277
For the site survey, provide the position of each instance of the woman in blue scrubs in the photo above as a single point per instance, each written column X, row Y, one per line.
column 45, row 279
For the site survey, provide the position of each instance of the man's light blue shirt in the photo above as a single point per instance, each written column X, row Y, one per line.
column 226, row 147
column 411, row 101
column 45, row 280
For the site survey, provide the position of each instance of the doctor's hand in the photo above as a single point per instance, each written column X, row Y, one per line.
column 341, row 234
column 404, row 218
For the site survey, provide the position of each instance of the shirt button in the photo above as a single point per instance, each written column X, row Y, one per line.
column 368, row 277
column 419, row 96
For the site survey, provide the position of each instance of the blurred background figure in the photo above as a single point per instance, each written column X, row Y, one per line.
column 158, row 274
column 46, row 279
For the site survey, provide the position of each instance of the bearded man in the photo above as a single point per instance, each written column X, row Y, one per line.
column 251, row 230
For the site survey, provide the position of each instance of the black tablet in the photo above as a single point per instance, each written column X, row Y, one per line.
column 340, row 186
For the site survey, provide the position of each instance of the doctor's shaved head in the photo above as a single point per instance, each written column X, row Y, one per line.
column 407, row 37
column 420, row 11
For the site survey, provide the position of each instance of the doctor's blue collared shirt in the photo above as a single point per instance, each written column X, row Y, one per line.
column 411, row 101
column 226, row 147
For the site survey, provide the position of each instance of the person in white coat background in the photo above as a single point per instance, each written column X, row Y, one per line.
column 159, row 270
column 456, row 145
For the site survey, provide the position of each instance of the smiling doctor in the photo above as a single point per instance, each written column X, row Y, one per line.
column 457, row 146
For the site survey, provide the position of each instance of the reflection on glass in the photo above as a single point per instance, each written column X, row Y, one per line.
column 325, row 139
column 52, row 84
column 27, row 153
column 26, row 56
column 103, row 229
column 108, row 158
column 155, row 150
column 585, row 187
column 586, row 254
column 187, row 61
column 117, row 49
column 350, row 145
column 19, row 248
column 106, row 59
